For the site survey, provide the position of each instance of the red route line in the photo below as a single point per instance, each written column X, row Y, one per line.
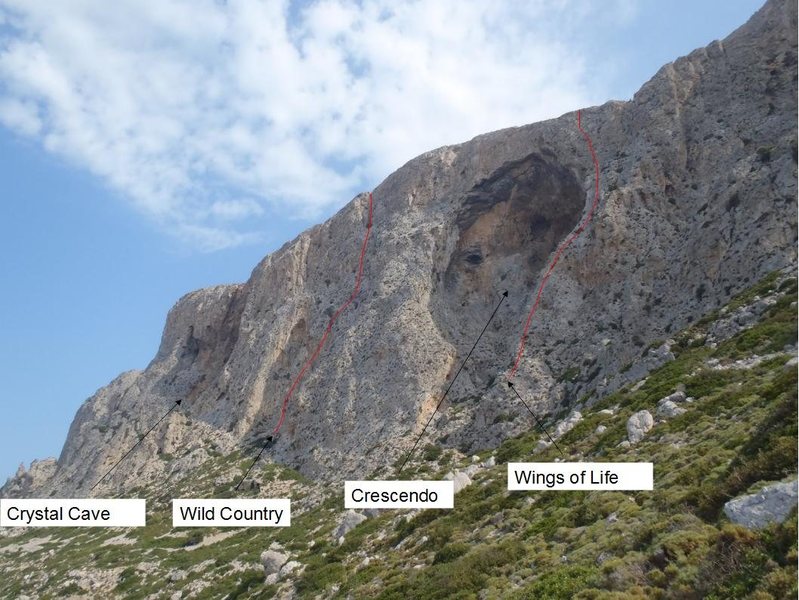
column 561, row 249
column 330, row 323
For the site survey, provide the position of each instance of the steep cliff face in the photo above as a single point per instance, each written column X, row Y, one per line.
column 698, row 199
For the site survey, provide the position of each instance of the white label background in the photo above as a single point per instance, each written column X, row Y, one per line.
column 632, row 476
column 124, row 512
column 444, row 489
column 217, row 504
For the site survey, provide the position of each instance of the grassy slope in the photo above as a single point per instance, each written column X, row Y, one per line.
column 673, row 542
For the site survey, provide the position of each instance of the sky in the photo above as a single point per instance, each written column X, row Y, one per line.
column 152, row 147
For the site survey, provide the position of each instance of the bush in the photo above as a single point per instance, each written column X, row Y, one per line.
column 319, row 578
column 563, row 583
column 431, row 452
column 734, row 566
column 450, row 552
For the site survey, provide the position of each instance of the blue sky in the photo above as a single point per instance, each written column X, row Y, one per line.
column 160, row 147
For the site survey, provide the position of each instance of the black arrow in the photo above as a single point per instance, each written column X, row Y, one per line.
column 141, row 439
column 540, row 424
column 268, row 443
column 451, row 383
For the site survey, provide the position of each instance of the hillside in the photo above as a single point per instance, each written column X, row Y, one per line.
column 736, row 435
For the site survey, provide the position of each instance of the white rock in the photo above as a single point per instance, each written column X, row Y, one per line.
column 288, row 568
column 669, row 410
column 472, row 470
column 176, row 575
column 567, row 424
column 772, row 504
column 490, row 462
column 675, row 397
column 272, row 561
column 638, row 425
column 624, row 444
column 600, row 429
column 349, row 521
column 460, row 479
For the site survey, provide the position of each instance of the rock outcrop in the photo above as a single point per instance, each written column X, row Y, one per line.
column 772, row 504
column 272, row 561
column 349, row 521
column 698, row 200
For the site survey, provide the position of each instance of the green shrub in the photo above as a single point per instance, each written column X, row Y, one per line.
column 563, row 583
column 319, row 578
column 450, row 552
column 431, row 452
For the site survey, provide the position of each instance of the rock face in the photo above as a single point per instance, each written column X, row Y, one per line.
column 772, row 504
column 698, row 190
column 27, row 480
column 638, row 425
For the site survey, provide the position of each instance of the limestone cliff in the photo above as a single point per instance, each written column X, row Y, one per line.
column 698, row 199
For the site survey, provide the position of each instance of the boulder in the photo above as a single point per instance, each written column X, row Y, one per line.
column 668, row 409
column 472, row 470
column 772, row 504
column 675, row 397
column 176, row 575
column 272, row 561
column 567, row 424
column 288, row 568
column 459, row 478
column 638, row 425
column 349, row 522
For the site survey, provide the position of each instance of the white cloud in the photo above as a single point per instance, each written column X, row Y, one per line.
column 20, row 116
column 208, row 115
column 231, row 210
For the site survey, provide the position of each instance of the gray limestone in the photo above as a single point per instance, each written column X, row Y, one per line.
column 638, row 425
column 772, row 504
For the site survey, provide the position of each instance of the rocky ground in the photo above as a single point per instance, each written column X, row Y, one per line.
column 718, row 419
